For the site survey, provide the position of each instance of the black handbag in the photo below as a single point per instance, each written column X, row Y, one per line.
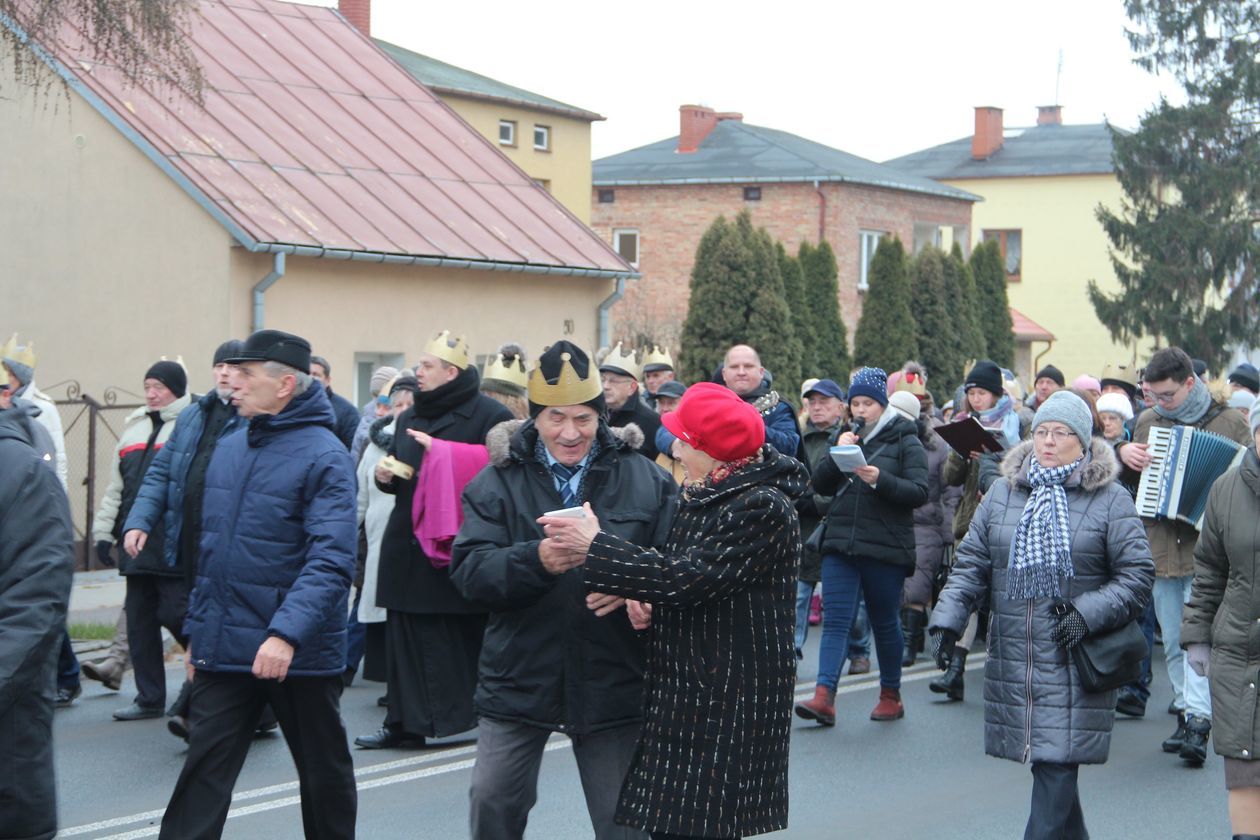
column 1109, row 660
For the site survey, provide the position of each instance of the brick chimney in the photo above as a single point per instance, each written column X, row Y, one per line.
column 358, row 12
column 1049, row 115
column 695, row 123
column 988, row 136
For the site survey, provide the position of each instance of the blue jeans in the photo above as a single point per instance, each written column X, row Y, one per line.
column 67, row 664
column 845, row 580
column 1142, row 688
column 859, row 633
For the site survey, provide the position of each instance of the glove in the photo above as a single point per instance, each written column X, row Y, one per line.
column 1198, row 656
column 104, row 553
column 1071, row 628
column 943, row 642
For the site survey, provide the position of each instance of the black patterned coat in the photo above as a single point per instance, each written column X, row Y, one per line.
column 713, row 757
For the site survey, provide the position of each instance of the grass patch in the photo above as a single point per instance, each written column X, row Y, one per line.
column 91, row 630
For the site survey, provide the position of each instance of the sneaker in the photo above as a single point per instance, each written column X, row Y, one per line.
column 66, row 696
column 1129, row 703
column 1194, row 748
column 1172, row 744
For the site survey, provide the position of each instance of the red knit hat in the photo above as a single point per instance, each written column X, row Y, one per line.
column 713, row 419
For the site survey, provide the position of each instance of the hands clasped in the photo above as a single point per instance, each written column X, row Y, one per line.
column 567, row 540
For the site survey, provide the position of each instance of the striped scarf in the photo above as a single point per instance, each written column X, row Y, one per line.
column 1041, row 552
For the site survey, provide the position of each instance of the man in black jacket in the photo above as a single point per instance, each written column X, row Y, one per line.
column 619, row 378
column 36, row 567
column 555, row 659
column 348, row 416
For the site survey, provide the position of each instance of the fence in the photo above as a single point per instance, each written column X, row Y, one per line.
column 92, row 428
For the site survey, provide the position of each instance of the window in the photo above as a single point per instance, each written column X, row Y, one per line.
column 364, row 366
column 868, row 241
column 607, row 196
column 925, row 234
column 507, row 132
column 542, row 138
column 626, row 243
column 1011, row 244
column 752, row 193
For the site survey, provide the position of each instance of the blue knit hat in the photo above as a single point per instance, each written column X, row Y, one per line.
column 870, row 382
column 1070, row 410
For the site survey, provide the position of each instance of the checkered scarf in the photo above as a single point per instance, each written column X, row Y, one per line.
column 1042, row 549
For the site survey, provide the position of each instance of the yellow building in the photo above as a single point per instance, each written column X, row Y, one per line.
column 1041, row 187
column 549, row 140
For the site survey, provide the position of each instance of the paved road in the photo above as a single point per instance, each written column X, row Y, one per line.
column 925, row 776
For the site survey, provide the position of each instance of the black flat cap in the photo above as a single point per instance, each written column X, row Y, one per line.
column 275, row 346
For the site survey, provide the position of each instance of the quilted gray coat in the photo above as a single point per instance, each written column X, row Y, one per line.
column 1034, row 706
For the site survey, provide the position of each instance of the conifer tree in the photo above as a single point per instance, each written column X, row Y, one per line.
column 993, row 304
column 939, row 345
column 822, row 295
column 964, row 309
column 794, row 293
column 886, row 333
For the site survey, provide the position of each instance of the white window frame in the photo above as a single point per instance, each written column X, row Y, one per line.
column 868, row 241
column 545, row 146
column 638, row 243
column 510, row 125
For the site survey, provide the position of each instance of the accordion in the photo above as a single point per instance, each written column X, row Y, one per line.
column 1185, row 463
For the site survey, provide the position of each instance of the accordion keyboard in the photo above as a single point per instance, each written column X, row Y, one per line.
column 1151, row 485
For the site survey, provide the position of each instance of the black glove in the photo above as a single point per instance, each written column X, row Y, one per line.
column 943, row 642
column 104, row 553
column 1071, row 628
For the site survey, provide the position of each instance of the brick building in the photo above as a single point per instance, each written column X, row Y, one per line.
column 654, row 203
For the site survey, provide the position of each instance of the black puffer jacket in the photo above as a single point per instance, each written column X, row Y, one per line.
column 877, row 523
column 637, row 412
column 547, row 660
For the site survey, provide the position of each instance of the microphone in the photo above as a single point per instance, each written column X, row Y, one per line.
column 858, row 425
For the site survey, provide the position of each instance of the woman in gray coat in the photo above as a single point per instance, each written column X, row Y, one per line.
column 1055, row 529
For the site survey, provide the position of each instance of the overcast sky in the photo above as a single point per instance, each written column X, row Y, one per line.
column 874, row 79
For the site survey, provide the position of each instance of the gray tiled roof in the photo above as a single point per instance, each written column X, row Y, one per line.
column 738, row 153
column 1040, row 150
column 447, row 78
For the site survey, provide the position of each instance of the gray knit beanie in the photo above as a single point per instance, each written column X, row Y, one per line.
column 1254, row 416
column 1070, row 410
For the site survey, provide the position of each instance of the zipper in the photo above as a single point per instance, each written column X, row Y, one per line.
column 1028, row 686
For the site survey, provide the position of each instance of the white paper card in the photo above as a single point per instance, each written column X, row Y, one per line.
column 568, row 513
column 848, row 457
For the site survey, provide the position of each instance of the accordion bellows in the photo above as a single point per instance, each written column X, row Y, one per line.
column 1185, row 463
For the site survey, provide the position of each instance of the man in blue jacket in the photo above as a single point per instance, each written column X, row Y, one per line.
column 267, row 615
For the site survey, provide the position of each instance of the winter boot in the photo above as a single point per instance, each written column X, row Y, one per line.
column 1194, row 748
column 912, row 622
column 822, row 708
column 951, row 682
column 1173, row 743
column 889, row 706
column 108, row 671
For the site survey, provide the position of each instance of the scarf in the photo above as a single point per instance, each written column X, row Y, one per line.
column 1197, row 403
column 1041, row 551
column 540, row 455
column 720, row 473
column 1002, row 418
column 444, row 400
column 381, row 432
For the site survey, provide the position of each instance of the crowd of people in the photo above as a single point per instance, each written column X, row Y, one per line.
column 588, row 546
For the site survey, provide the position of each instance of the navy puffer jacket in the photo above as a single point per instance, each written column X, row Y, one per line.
column 277, row 543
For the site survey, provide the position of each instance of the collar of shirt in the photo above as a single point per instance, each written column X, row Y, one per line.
column 575, row 481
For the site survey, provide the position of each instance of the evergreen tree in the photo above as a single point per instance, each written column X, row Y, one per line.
column 737, row 298
column 822, row 296
column 939, row 345
column 886, row 333
column 993, row 304
column 1184, row 247
column 964, row 308
column 794, row 294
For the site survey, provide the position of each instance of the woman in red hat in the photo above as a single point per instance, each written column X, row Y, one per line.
column 720, row 600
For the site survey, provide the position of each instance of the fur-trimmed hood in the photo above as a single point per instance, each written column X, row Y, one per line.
column 1099, row 469
column 505, row 443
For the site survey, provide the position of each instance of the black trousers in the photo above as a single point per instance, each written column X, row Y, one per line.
column 153, row 602
column 228, row 705
column 1056, row 804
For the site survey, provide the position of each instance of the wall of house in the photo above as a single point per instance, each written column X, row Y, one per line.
column 566, row 168
column 1064, row 247
column 671, row 219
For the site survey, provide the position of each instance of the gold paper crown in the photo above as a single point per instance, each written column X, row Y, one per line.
column 21, row 355
column 913, row 383
column 1120, row 373
column 622, row 361
column 657, row 356
column 441, row 347
column 512, row 372
column 569, row 388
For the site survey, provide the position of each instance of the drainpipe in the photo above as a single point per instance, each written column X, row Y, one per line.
column 822, row 212
column 605, row 339
column 261, row 287
column 1036, row 365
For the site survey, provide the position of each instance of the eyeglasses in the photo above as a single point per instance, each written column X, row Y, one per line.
column 1166, row 397
column 1059, row 435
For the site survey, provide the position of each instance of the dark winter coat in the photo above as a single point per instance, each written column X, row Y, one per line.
column 36, row 568
column 1034, row 706
column 811, row 506
column 877, row 523
column 713, row 757
column 347, row 418
column 929, row 516
column 277, row 543
column 547, row 660
column 1224, row 607
column 407, row 581
column 637, row 412
column 781, row 430
column 161, row 496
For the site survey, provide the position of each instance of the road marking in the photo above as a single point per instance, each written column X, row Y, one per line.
column 914, row 674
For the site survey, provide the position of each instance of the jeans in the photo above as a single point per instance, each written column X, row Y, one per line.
column 845, row 579
column 804, row 593
column 1190, row 691
column 859, row 633
column 67, row 664
column 1142, row 688
column 1056, row 804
